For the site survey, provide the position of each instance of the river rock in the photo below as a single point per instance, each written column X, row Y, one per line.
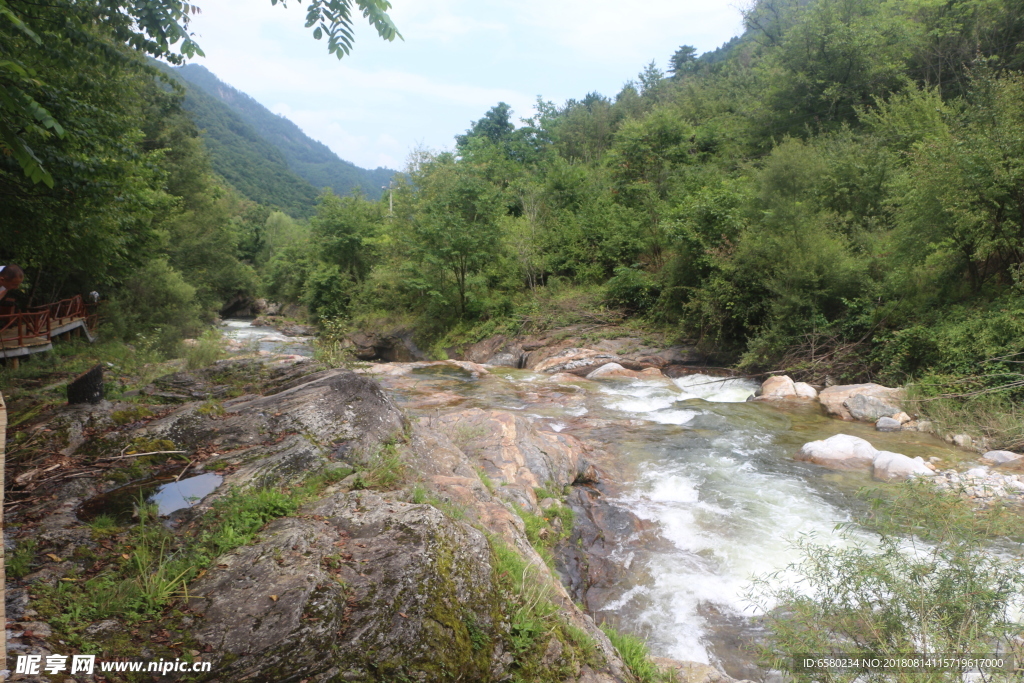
column 925, row 426
column 839, row 452
column 512, row 451
column 475, row 369
column 357, row 588
column 692, row 672
column 777, row 387
column 1001, row 457
column 613, row 370
column 783, row 387
column 890, row 466
column 805, row 390
column 836, row 401
column 299, row 427
column 869, row 408
column 902, row 418
column 888, row 424
column 962, row 441
column 576, row 361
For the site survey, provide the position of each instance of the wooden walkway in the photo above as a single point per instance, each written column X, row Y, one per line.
column 22, row 334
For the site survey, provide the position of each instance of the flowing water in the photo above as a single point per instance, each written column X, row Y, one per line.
column 714, row 472
column 264, row 338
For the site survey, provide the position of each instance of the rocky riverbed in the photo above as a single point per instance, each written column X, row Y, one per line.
column 364, row 582
column 628, row 489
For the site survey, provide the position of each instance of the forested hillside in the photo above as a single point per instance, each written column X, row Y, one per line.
column 837, row 193
column 309, row 159
column 243, row 157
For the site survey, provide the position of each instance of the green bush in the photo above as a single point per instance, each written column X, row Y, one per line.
column 156, row 303
column 631, row 289
column 206, row 350
column 900, row 596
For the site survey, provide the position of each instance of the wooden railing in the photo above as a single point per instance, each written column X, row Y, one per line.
column 66, row 308
column 38, row 323
column 15, row 328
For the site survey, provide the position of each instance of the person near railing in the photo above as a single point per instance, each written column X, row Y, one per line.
column 11, row 277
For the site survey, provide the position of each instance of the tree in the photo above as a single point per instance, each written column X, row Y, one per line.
column 683, row 60
column 457, row 230
column 155, row 28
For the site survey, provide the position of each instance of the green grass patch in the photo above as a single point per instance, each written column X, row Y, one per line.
column 385, row 471
column 19, row 562
column 205, row 351
column 420, row 496
column 211, row 408
column 635, row 654
column 543, row 531
column 129, row 415
column 148, row 568
column 534, row 619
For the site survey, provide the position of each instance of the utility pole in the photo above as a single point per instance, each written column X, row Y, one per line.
column 391, row 198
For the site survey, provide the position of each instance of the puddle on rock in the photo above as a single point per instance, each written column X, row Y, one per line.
column 169, row 496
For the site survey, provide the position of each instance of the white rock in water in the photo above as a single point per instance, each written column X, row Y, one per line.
column 839, row 452
column 778, row 387
column 1001, row 457
column 891, row 466
column 887, row 424
column 903, row 418
column 805, row 390
column 612, row 370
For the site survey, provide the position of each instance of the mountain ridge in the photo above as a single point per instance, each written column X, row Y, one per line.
column 308, row 158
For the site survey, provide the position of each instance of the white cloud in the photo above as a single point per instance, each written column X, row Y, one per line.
column 459, row 58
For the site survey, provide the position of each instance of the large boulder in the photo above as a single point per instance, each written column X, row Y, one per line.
column 890, row 466
column 1001, row 457
column 839, row 452
column 298, row 427
column 357, row 588
column 805, row 390
column 783, row 387
column 842, row 401
column 778, row 387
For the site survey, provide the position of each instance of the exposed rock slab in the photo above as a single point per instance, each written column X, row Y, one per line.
column 576, row 361
column 358, row 588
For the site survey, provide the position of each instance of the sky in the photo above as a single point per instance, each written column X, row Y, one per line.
column 458, row 59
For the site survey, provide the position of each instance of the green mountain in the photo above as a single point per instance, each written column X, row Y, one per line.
column 306, row 157
column 251, row 164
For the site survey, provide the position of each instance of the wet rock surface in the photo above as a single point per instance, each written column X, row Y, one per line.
column 356, row 587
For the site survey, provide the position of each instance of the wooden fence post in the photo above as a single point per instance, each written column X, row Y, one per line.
column 3, row 555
